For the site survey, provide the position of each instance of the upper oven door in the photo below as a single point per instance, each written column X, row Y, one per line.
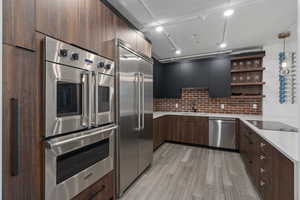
column 66, row 99
column 104, row 109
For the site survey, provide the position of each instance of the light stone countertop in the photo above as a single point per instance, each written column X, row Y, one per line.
column 287, row 143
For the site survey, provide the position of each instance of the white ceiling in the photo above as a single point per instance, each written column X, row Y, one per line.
column 196, row 26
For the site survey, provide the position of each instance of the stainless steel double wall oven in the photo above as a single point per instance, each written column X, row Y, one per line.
column 79, row 119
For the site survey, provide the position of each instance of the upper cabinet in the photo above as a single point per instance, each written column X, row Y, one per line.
column 125, row 33
column 58, row 19
column 108, row 32
column 212, row 74
column 132, row 38
column 88, row 24
column 19, row 23
column 143, row 46
column 220, row 77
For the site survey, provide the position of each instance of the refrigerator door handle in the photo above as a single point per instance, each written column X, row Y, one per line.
column 143, row 101
column 139, row 100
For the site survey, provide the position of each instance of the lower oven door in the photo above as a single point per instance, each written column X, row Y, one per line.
column 104, row 99
column 74, row 162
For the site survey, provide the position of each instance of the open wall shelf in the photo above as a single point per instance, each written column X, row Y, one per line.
column 247, row 76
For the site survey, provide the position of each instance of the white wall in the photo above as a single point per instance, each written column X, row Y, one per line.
column 271, row 107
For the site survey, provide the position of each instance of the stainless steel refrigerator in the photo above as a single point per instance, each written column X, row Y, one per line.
column 135, row 105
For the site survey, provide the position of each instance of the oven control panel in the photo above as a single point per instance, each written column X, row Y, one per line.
column 66, row 54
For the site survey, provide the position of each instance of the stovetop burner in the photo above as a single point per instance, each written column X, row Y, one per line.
column 273, row 126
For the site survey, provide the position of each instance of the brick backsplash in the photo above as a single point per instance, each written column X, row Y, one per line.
column 204, row 104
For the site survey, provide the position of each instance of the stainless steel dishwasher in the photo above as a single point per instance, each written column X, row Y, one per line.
column 222, row 133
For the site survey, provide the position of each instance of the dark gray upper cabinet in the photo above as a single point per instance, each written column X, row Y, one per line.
column 212, row 73
column 220, row 77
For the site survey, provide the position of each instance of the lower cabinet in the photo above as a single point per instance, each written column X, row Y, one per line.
column 101, row 190
column 270, row 171
column 183, row 129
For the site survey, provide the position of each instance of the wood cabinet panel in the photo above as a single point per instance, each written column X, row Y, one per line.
column 143, row 46
column 156, row 136
column 108, row 33
column 271, row 172
column 101, row 190
column 21, row 147
column 89, row 24
column 125, row 33
column 59, row 19
column 19, row 23
column 193, row 130
column 283, row 177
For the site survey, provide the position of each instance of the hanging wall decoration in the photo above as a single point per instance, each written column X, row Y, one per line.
column 287, row 73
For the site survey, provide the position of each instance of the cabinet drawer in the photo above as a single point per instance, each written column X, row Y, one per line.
column 265, row 188
column 265, row 148
column 101, row 190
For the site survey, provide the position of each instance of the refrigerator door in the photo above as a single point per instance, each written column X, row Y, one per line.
column 146, row 127
column 128, row 119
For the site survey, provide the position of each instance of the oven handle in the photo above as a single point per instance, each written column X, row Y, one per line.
column 96, row 96
column 84, row 100
column 52, row 145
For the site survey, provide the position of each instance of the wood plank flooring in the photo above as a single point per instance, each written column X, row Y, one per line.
column 182, row 172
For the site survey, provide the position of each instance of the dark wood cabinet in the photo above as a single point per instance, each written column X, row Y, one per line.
column 21, row 139
column 108, row 33
column 271, row 172
column 143, row 46
column 59, row 19
column 156, row 135
column 19, row 23
column 89, row 24
column 182, row 129
column 101, row 190
column 125, row 33
column 192, row 130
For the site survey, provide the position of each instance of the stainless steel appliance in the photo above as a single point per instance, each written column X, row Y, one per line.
column 222, row 133
column 76, row 161
column 273, row 126
column 79, row 119
column 79, row 89
column 135, row 140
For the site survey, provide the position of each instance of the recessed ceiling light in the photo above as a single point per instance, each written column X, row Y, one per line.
column 284, row 64
column 228, row 12
column 159, row 29
column 178, row 52
column 223, row 45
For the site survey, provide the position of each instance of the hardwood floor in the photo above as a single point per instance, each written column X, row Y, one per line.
column 182, row 172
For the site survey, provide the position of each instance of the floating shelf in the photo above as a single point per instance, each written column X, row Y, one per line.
column 248, row 84
column 248, row 97
column 248, row 70
column 248, row 57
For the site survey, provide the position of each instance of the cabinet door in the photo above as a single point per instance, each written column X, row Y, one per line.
column 155, row 133
column 193, row 130
column 58, row 19
column 21, row 139
column 125, row 33
column 108, row 32
column 89, row 24
column 283, row 177
column 220, row 77
column 19, row 23
column 143, row 46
